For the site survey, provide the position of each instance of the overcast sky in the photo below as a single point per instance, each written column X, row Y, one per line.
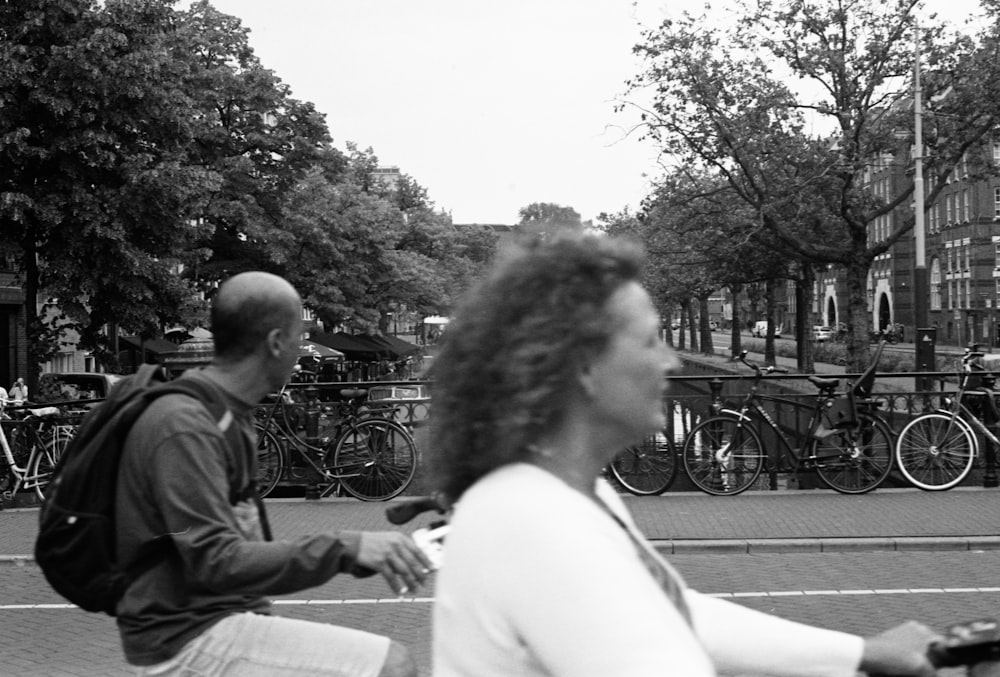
column 489, row 105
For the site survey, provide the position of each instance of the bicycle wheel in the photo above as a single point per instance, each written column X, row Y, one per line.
column 935, row 451
column 855, row 460
column 723, row 456
column 647, row 469
column 45, row 457
column 270, row 460
column 374, row 459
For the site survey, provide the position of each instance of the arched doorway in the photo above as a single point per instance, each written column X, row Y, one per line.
column 831, row 313
column 884, row 312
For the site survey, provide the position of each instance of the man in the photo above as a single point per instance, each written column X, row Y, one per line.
column 19, row 391
column 201, row 605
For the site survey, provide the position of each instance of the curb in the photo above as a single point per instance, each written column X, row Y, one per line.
column 816, row 545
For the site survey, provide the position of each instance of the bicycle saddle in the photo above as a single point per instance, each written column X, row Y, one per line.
column 824, row 383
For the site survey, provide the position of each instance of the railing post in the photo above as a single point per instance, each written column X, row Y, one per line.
column 990, row 476
column 715, row 387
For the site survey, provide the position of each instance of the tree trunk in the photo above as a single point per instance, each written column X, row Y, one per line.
column 858, row 320
column 693, row 326
column 804, row 320
column 769, row 357
column 707, row 348
column 735, row 344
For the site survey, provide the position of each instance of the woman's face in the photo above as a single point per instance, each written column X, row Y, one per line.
column 628, row 378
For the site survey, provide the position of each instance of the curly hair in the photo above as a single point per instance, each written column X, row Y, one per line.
column 514, row 349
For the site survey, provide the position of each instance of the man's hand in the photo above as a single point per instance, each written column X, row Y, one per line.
column 395, row 556
column 901, row 650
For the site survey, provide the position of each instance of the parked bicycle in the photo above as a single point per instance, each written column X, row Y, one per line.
column 846, row 442
column 32, row 440
column 936, row 451
column 352, row 445
column 648, row 468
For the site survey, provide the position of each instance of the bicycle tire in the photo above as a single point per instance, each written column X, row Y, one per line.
column 732, row 475
column 935, row 451
column 855, row 460
column 270, row 460
column 646, row 469
column 46, row 456
column 373, row 459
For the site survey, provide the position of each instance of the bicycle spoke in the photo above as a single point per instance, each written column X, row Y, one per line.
column 855, row 461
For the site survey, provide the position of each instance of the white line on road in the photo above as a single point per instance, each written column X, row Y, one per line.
column 728, row 595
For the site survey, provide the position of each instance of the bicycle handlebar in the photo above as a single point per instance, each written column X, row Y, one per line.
column 404, row 511
column 769, row 369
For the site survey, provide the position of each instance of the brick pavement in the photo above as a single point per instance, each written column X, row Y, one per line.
column 40, row 640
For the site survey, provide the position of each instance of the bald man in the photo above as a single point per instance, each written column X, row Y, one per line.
column 202, row 607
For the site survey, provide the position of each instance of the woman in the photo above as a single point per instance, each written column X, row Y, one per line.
column 550, row 366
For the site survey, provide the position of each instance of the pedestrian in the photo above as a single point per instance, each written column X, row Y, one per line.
column 545, row 572
column 19, row 391
column 3, row 397
column 202, row 607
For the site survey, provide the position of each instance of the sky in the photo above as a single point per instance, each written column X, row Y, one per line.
column 490, row 106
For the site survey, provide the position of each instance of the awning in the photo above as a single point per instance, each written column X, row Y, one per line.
column 397, row 347
column 153, row 346
column 354, row 347
column 436, row 319
column 319, row 352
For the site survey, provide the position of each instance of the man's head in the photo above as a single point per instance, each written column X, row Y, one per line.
column 257, row 318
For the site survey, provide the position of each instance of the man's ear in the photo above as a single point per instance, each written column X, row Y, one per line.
column 273, row 342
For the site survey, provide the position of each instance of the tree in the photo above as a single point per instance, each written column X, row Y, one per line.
column 783, row 150
column 543, row 219
column 96, row 186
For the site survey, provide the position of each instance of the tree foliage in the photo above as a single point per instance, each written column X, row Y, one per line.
column 795, row 102
column 147, row 153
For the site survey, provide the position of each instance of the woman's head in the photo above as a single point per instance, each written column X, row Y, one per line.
column 515, row 351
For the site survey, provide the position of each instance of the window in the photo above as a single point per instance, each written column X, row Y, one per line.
column 966, row 212
column 947, row 209
column 996, row 151
column 996, row 203
column 936, row 283
column 996, row 254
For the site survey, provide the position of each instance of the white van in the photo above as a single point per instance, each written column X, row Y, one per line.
column 760, row 329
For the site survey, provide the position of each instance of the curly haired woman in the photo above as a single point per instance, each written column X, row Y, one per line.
column 551, row 365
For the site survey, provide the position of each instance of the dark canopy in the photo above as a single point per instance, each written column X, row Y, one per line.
column 355, row 347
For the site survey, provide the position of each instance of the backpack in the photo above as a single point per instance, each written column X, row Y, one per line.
column 75, row 547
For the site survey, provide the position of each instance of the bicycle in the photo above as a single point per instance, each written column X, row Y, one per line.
column 32, row 445
column 846, row 443
column 936, row 451
column 362, row 450
column 648, row 468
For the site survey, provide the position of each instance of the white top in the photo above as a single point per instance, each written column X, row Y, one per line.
column 539, row 580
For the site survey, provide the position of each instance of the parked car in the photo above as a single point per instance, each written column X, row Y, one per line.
column 823, row 333
column 81, row 385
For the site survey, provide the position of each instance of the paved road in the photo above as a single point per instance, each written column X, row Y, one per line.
column 860, row 563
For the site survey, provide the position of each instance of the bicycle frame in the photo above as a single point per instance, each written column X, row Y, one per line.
column 754, row 414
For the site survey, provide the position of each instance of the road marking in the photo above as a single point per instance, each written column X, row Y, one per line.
column 724, row 595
